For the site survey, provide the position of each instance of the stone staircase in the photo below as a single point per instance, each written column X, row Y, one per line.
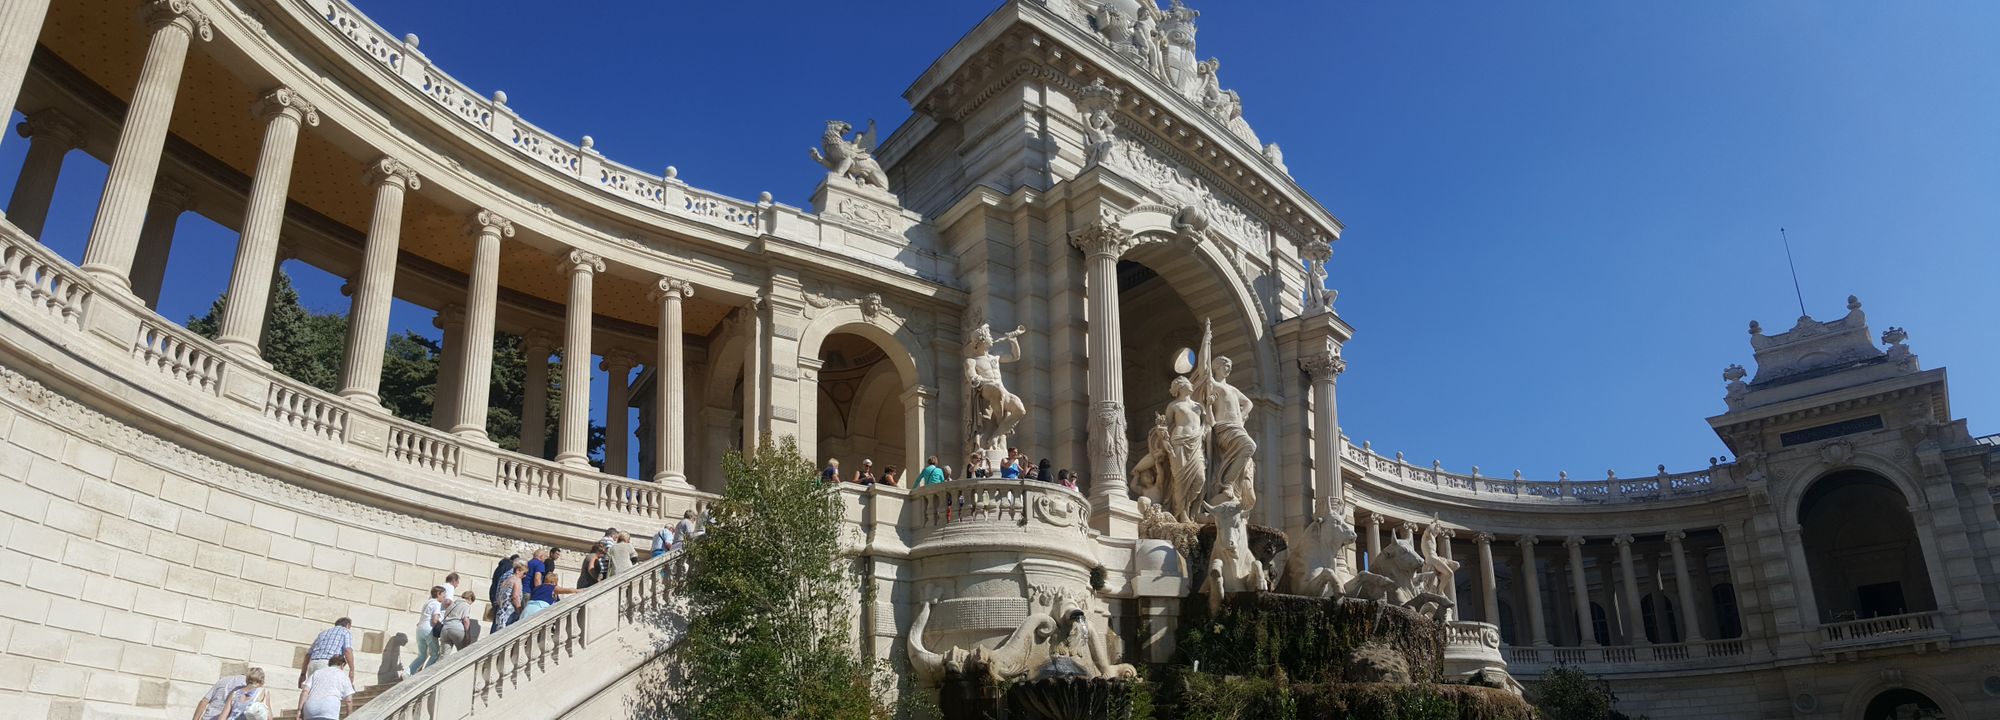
column 360, row 698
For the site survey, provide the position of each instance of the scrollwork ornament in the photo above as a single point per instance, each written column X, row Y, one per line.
column 581, row 261
column 672, row 287
column 285, row 101
column 487, row 221
column 160, row 13
column 388, row 169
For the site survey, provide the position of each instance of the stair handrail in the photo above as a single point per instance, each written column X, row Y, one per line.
column 549, row 636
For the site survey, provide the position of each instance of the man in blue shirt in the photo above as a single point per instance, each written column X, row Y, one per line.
column 336, row 640
column 663, row 540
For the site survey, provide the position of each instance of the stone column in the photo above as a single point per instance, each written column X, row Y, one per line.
column 156, row 239
column 1635, row 628
column 1451, row 583
column 1488, row 586
column 1102, row 242
column 916, row 431
column 535, row 347
column 1531, row 578
column 1580, row 588
column 121, row 210
column 754, row 369
column 51, row 135
column 482, row 304
column 1690, row 621
column 451, row 365
column 670, row 384
column 573, row 443
column 1325, row 368
column 374, row 285
column 20, row 27
column 618, row 366
column 1374, row 537
column 282, row 110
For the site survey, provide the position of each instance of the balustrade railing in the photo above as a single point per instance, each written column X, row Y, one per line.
column 504, row 667
column 1886, row 629
column 424, row 448
column 305, row 410
column 1611, row 489
column 530, row 478
column 993, row 500
column 1628, row 657
column 643, row 499
column 42, row 280
column 178, row 354
column 491, row 116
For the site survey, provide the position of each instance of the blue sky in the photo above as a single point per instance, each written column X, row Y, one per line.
column 1561, row 216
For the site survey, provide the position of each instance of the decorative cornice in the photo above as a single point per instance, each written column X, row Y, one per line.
column 487, row 221
column 390, row 170
column 286, row 102
column 161, row 13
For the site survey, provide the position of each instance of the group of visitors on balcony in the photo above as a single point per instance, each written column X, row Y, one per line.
column 1013, row 467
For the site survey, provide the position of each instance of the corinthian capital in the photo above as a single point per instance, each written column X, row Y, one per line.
column 284, row 101
column 1104, row 237
column 51, row 126
column 487, row 221
column 672, row 288
column 390, row 170
column 1323, row 365
column 579, row 261
column 179, row 13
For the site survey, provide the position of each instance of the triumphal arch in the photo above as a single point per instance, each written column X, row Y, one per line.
column 1075, row 245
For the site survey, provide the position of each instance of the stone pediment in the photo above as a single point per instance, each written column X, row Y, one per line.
column 1812, row 346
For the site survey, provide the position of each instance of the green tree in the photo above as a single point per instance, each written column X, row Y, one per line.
column 309, row 347
column 1567, row 693
column 767, row 633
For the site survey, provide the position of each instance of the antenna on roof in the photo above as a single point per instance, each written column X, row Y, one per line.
column 1795, row 272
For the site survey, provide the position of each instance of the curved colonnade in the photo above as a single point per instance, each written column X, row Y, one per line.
column 209, row 470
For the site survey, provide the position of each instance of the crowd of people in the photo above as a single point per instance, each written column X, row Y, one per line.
column 1015, row 466
column 448, row 621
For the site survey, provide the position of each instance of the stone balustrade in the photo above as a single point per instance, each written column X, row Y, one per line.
column 1395, row 471
column 1907, row 628
column 1024, row 514
column 1527, row 662
column 540, row 656
column 42, row 280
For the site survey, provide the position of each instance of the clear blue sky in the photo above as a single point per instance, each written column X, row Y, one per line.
column 1561, row 216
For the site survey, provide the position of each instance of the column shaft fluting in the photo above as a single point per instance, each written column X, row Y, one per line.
column 482, row 305
column 670, row 384
column 20, row 28
column 573, row 442
column 1325, row 368
column 753, row 374
column 1580, row 592
column 257, row 252
column 451, row 364
column 375, row 284
column 1374, row 536
column 1635, row 629
column 128, row 186
column 1107, row 379
column 535, row 349
column 1531, row 577
column 51, row 135
column 1488, row 585
column 156, row 240
column 1684, row 588
column 617, row 367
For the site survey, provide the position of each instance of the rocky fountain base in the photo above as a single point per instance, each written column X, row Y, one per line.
column 1055, row 693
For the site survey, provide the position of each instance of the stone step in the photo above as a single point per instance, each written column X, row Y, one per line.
column 361, row 697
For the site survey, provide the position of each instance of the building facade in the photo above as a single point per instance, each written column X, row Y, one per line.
column 1074, row 204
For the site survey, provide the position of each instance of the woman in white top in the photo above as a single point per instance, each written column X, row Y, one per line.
column 427, row 620
column 328, row 692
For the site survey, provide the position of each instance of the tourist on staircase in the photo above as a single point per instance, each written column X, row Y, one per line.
column 594, row 567
column 622, row 555
column 663, row 540
column 217, row 699
column 250, row 702
column 460, row 628
column 329, row 691
column 336, row 641
column 430, row 622
column 510, row 598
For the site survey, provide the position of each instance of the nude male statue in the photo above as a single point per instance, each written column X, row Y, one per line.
column 997, row 411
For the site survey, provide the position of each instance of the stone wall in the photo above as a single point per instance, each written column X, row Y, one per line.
column 141, row 571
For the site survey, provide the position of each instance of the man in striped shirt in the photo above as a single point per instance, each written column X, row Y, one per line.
column 336, row 640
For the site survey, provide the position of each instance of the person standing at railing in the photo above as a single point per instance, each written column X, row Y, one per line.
column 509, row 599
column 429, row 622
column 931, row 474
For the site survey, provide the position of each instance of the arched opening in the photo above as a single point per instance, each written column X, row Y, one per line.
column 1902, row 704
column 1600, row 624
column 1861, row 548
column 1727, row 624
column 860, row 413
column 1656, row 611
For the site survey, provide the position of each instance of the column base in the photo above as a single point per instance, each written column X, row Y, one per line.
column 365, row 401
column 579, row 462
column 473, row 433
column 675, row 479
column 246, row 354
column 108, row 278
column 1114, row 516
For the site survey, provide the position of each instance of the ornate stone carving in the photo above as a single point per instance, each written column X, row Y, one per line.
column 576, row 260
column 486, row 221
column 284, row 101
column 1174, row 470
column 1054, row 639
column 1107, row 435
column 387, row 169
column 1228, row 411
column 1231, row 565
column 671, row 286
column 1105, row 237
column 158, row 13
column 850, row 159
column 1320, row 568
column 1100, row 131
column 992, row 411
column 1182, row 186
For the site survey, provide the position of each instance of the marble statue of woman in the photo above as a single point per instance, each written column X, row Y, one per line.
column 1187, row 425
column 1228, row 411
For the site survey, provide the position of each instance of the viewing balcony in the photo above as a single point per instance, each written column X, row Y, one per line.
column 1528, row 662
column 1888, row 630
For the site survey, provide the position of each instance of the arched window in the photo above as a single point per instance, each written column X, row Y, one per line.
column 1600, row 627
column 1861, row 548
column 1727, row 624
column 1657, row 613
